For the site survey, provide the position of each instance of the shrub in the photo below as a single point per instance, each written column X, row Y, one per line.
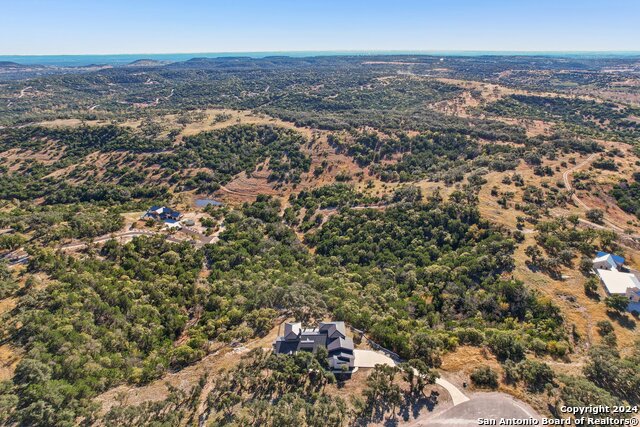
column 557, row 349
column 595, row 215
column 511, row 372
column 184, row 355
column 470, row 336
column 538, row 346
column 507, row 346
column 586, row 266
column 604, row 327
column 617, row 303
column 536, row 375
column 484, row 376
column 591, row 286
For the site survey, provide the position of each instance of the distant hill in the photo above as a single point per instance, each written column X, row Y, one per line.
column 146, row 63
column 9, row 64
column 244, row 63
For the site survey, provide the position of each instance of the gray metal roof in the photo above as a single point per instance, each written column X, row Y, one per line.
column 340, row 344
column 331, row 335
column 332, row 327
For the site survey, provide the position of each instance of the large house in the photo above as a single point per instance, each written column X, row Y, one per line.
column 616, row 279
column 330, row 335
column 162, row 213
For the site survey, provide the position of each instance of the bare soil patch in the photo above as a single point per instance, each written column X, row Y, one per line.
column 9, row 358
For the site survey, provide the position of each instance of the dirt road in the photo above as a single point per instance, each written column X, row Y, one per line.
column 102, row 239
column 24, row 91
column 566, row 178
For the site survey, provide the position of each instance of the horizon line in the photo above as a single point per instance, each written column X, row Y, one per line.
column 337, row 51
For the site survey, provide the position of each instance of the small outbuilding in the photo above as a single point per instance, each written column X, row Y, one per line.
column 607, row 261
column 171, row 224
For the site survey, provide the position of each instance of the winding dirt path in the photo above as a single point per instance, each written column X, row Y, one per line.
column 102, row 239
column 202, row 239
column 23, row 92
column 237, row 193
column 566, row 178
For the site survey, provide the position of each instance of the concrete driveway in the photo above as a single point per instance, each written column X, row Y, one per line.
column 370, row 358
column 493, row 406
column 465, row 412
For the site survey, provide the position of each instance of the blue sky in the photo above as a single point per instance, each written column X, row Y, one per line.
column 29, row 27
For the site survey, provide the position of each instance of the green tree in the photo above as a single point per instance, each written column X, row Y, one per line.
column 536, row 375
column 507, row 346
column 484, row 376
column 595, row 215
column 617, row 303
column 591, row 286
column 534, row 253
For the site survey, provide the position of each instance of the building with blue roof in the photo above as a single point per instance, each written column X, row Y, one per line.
column 617, row 258
column 618, row 280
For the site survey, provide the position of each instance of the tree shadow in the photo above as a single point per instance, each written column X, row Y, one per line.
column 410, row 407
column 378, row 412
column 554, row 274
column 414, row 404
column 623, row 319
column 391, row 422
column 532, row 267
column 594, row 296
column 553, row 410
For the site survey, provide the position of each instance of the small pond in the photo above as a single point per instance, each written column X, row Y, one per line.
column 201, row 203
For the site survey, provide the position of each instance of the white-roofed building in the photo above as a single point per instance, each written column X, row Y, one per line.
column 171, row 224
column 605, row 262
column 618, row 283
column 617, row 279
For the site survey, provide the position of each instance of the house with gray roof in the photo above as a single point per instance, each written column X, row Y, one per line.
column 330, row 335
column 162, row 213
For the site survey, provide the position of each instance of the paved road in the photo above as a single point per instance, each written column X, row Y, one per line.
column 457, row 397
column 485, row 405
column 465, row 411
column 202, row 240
